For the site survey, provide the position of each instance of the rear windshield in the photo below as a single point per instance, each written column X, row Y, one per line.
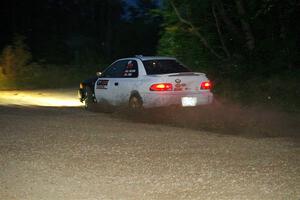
column 163, row 67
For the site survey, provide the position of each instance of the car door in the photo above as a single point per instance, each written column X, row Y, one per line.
column 128, row 82
column 106, row 87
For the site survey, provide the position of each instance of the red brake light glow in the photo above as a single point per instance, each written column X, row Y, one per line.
column 206, row 85
column 161, row 87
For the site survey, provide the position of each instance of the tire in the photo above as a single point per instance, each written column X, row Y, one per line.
column 135, row 102
column 89, row 101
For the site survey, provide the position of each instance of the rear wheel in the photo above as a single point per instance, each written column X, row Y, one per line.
column 135, row 102
column 89, row 101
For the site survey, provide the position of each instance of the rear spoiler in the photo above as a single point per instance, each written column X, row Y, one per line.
column 187, row 74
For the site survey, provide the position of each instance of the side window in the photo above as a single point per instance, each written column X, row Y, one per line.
column 116, row 70
column 131, row 69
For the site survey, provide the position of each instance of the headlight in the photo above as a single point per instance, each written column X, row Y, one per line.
column 81, row 85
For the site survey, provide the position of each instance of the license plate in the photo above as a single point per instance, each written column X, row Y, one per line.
column 188, row 101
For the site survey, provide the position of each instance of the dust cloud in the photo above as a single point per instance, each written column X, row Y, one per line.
column 223, row 118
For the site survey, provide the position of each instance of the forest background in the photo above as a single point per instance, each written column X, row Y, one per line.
column 249, row 49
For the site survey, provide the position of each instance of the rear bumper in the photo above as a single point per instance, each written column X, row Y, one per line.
column 161, row 99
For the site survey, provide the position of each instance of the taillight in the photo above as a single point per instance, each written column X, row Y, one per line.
column 161, row 87
column 205, row 85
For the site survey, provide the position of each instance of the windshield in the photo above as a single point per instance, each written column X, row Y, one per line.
column 164, row 67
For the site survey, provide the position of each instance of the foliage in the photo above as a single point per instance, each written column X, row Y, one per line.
column 18, row 71
column 142, row 26
column 71, row 39
column 81, row 32
column 246, row 47
column 15, row 58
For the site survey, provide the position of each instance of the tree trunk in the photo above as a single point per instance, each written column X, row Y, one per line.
column 195, row 32
column 229, row 23
column 225, row 49
column 108, row 30
column 13, row 22
column 250, row 40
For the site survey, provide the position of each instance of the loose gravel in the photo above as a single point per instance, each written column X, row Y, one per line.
column 56, row 153
column 71, row 154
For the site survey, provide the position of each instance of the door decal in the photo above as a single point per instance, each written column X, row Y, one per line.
column 102, row 84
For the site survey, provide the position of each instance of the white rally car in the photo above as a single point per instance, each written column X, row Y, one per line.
column 145, row 82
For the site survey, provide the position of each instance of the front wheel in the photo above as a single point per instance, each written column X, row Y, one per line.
column 89, row 101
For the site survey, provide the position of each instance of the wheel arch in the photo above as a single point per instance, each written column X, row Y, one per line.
column 137, row 94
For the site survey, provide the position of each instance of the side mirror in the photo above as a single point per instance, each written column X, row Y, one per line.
column 98, row 74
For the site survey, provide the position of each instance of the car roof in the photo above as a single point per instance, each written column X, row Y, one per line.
column 145, row 58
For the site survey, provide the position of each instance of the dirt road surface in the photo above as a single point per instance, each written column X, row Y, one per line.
column 49, row 151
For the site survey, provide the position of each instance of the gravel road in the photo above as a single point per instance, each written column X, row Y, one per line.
column 67, row 153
